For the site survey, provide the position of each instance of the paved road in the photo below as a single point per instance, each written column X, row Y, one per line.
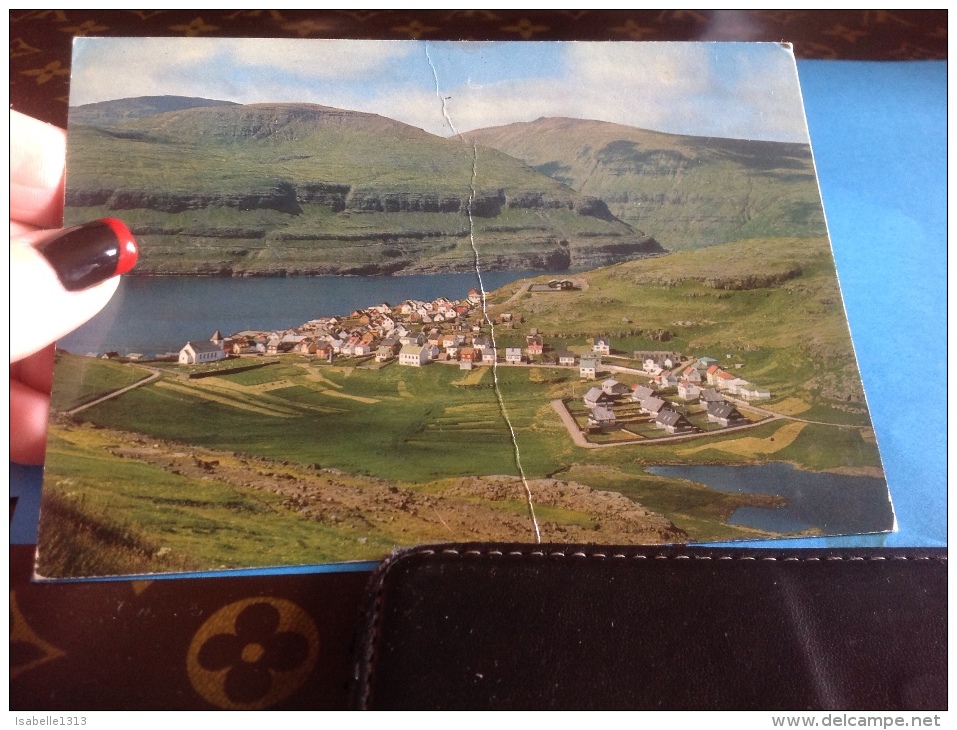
column 571, row 425
column 523, row 289
column 156, row 373
column 774, row 414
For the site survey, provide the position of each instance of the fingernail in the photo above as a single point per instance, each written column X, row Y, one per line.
column 83, row 256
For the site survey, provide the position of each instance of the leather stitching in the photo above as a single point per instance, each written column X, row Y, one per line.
column 367, row 670
column 536, row 553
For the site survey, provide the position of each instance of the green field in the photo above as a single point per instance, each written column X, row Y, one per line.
column 397, row 438
column 768, row 311
column 436, row 432
column 81, row 379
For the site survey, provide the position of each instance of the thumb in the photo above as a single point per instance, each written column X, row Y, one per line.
column 60, row 279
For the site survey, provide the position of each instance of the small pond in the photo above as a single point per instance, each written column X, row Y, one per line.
column 835, row 504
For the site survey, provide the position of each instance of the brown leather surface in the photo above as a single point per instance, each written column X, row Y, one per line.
column 280, row 642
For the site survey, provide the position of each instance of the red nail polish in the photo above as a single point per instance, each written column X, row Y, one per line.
column 86, row 255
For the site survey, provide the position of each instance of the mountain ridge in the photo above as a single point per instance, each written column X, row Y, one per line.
column 684, row 190
column 117, row 110
column 292, row 188
column 288, row 187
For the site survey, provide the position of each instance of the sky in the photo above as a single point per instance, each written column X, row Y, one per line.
column 742, row 90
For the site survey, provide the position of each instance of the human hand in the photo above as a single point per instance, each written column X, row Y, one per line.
column 58, row 279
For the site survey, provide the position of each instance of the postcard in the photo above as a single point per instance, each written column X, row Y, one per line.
column 402, row 292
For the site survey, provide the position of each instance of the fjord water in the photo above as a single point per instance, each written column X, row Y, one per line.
column 158, row 314
column 835, row 504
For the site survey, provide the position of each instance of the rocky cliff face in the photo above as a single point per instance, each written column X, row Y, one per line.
column 287, row 197
column 281, row 196
column 592, row 257
column 333, row 195
column 374, row 201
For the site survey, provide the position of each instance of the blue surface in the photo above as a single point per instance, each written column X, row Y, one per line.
column 879, row 132
column 879, row 135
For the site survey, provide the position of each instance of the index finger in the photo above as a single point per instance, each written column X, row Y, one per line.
column 37, row 159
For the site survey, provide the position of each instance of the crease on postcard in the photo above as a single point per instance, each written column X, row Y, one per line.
column 485, row 315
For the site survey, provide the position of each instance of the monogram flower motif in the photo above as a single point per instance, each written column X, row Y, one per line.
column 253, row 654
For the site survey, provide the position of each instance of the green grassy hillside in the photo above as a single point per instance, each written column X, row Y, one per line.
column 772, row 306
column 685, row 191
column 306, row 189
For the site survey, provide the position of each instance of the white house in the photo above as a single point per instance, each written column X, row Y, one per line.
column 752, row 392
column 725, row 415
column 412, row 338
column 727, row 381
column 654, row 361
column 666, row 379
column 691, row 374
column 650, row 366
column 513, row 355
column 602, row 346
column 198, row 352
column 414, row 355
column 613, row 387
column 688, row 391
column 588, row 368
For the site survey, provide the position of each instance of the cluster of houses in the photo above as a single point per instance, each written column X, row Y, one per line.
column 382, row 330
column 690, row 379
column 666, row 371
column 601, row 401
column 403, row 333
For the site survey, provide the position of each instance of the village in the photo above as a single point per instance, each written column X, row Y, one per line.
column 668, row 394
